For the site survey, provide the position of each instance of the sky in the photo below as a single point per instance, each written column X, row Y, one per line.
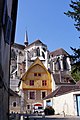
column 45, row 20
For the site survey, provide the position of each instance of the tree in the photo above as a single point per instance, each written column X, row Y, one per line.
column 75, row 14
column 75, row 63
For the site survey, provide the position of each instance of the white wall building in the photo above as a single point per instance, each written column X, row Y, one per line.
column 65, row 100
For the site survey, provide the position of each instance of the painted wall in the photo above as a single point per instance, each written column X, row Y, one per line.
column 64, row 104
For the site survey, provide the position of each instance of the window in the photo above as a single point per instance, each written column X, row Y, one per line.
column 44, row 82
column 38, row 51
column 39, row 74
column 28, row 106
column 48, row 103
column 64, row 63
column 32, row 95
column 35, row 74
column 58, row 67
column 31, row 82
column 43, row 94
column 14, row 104
column 43, row 55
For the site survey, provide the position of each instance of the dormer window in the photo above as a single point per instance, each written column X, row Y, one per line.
column 39, row 74
column 35, row 74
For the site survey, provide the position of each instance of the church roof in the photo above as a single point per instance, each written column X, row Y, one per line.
column 36, row 42
column 19, row 46
column 61, row 78
column 59, row 51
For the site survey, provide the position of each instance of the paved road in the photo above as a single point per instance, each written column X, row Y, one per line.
column 46, row 118
column 53, row 118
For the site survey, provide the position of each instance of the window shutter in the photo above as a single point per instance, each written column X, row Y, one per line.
column 1, row 11
column 8, row 31
column 4, row 12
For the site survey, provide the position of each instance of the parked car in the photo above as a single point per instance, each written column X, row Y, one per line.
column 39, row 110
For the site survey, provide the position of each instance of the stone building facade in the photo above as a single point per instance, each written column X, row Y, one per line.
column 38, row 72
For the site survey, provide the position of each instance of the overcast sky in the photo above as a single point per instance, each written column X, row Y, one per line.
column 45, row 20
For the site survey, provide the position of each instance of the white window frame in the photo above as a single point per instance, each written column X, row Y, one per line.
column 29, row 94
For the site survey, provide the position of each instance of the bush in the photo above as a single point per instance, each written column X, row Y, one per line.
column 49, row 110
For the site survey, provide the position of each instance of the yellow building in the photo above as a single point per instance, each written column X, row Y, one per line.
column 36, row 84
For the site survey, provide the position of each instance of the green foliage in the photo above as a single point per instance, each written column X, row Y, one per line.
column 75, row 14
column 75, row 75
column 49, row 110
column 75, row 64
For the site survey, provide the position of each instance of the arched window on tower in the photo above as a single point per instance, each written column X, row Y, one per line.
column 38, row 51
column 64, row 63
column 58, row 66
column 43, row 55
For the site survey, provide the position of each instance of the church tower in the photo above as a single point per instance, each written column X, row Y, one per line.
column 26, row 39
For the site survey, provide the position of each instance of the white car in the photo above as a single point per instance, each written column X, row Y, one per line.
column 39, row 110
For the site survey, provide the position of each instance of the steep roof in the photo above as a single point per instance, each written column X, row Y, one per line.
column 63, row 90
column 61, row 78
column 59, row 51
column 19, row 46
column 36, row 42
column 37, row 61
column 12, row 93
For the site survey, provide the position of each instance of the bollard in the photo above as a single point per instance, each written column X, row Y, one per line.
column 21, row 118
column 27, row 118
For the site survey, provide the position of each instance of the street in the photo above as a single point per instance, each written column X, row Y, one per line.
column 52, row 118
column 42, row 117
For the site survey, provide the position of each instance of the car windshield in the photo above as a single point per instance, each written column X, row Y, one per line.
column 40, row 107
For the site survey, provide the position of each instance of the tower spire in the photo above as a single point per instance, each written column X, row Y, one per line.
column 26, row 39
